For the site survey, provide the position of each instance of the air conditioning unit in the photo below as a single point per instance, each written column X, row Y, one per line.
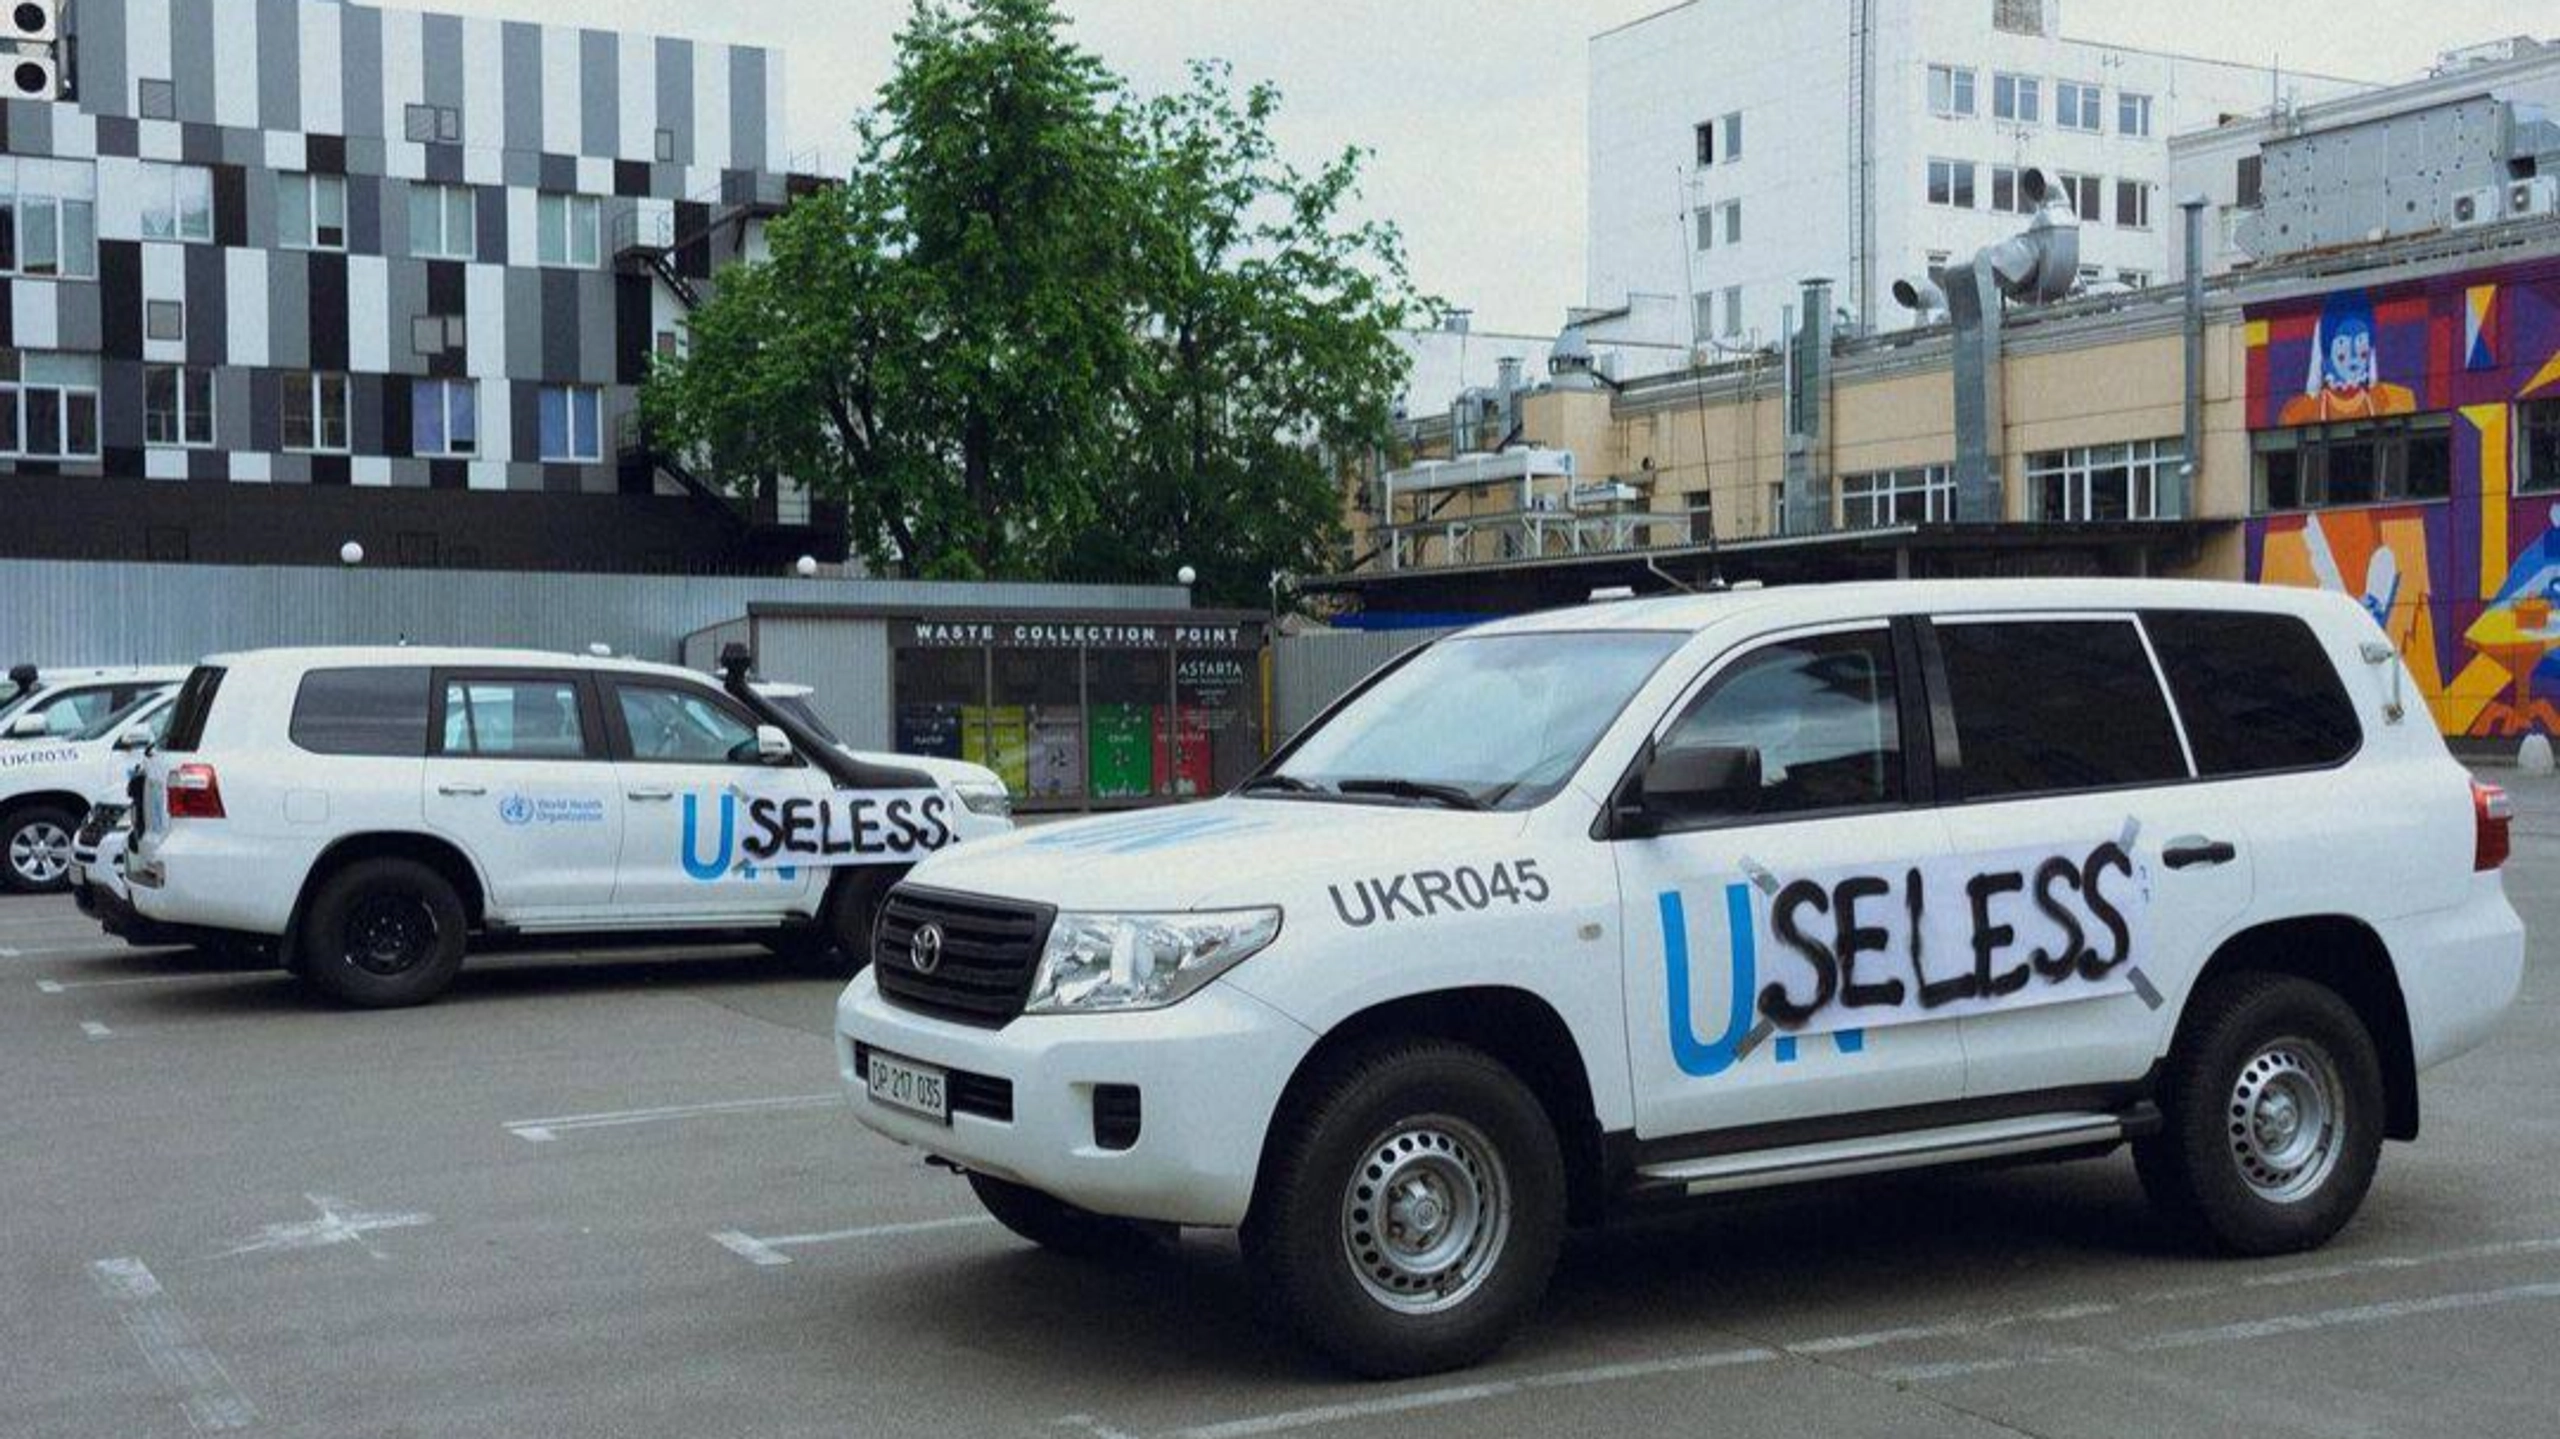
column 37, row 22
column 29, row 77
column 2537, row 196
column 2478, row 207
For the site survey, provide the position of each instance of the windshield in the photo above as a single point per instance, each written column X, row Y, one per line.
column 108, row 724
column 1494, row 722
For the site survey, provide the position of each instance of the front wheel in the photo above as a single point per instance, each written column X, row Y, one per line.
column 2274, row 1108
column 35, row 850
column 1412, row 1210
column 382, row 934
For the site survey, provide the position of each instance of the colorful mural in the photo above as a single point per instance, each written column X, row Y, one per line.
column 2467, row 587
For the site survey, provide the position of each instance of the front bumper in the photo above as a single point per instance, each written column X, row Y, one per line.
column 1209, row 1073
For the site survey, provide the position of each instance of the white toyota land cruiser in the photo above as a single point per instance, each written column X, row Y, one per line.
column 1573, row 914
column 368, row 810
column 46, row 786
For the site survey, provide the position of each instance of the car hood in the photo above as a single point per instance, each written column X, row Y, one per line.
column 944, row 772
column 1202, row 856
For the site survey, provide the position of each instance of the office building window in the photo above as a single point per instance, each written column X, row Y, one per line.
column 1706, row 227
column 572, row 424
column 2080, row 192
column 177, row 406
column 666, row 150
column 569, row 229
column 437, row 334
column 49, row 406
column 1922, row 494
column 432, row 124
column 1951, row 90
column 444, row 418
column 1702, row 315
column 1733, row 136
column 1705, row 132
column 2321, row 466
column 311, row 212
column 2018, row 17
column 2133, row 204
column 2133, row 114
column 315, row 414
column 2009, row 191
column 444, row 222
column 177, row 203
column 164, row 319
column 2538, row 447
column 2017, row 97
column 1951, row 183
column 2134, row 279
column 156, row 99
column 2103, row 482
column 2249, row 182
column 1732, row 310
column 2076, row 106
column 49, row 218
column 1732, row 212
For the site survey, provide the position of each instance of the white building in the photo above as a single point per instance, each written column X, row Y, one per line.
column 1739, row 147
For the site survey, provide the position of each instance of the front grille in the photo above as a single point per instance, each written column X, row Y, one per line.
column 990, row 948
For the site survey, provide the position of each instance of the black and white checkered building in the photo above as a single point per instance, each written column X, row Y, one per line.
column 283, row 273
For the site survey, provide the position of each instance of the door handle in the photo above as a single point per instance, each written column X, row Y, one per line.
column 462, row 790
column 2196, row 850
column 650, row 796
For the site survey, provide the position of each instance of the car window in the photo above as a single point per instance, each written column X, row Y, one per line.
column 1821, row 712
column 193, row 709
column 71, row 712
column 674, row 726
column 2055, row 706
column 378, row 712
column 2257, row 691
column 527, row 718
column 117, row 718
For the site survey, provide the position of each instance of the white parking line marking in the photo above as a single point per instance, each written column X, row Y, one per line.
column 171, row 1346
column 339, row 1223
column 95, row 1030
column 543, row 1131
column 766, row 1252
column 64, row 986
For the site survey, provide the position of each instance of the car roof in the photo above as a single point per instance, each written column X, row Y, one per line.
column 1793, row 605
column 443, row 657
column 56, row 677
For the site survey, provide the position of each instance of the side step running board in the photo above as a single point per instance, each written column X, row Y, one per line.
column 1913, row 1149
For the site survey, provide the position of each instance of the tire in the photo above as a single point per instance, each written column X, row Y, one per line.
column 2273, row 1099
column 1484, row 1181
column 838, row 945
column 1062, row 1228
column 35, row 849
column 382, row 934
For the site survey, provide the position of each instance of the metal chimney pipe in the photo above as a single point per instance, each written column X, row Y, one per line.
column 2181, row 501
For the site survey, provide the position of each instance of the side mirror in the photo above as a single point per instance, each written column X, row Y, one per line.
column 29, row 726
column 772, row 745
column 1691, row 783
column 134, row 739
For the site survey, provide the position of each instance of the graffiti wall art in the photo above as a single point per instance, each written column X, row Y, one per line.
column 2468, row 586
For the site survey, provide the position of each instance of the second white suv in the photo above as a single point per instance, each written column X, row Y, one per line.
column 370, row 810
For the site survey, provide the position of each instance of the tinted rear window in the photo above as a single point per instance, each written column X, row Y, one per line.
column 2257, row 692
column 194, row 707
column 2053, row 706
column 380, row 712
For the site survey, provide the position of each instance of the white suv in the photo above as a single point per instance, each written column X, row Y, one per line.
column 1577, row 915
column 46, row 788
column 370, row 809
column 50, row 704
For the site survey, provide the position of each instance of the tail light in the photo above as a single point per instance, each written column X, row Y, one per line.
column 194, row 793
column 2492, row 810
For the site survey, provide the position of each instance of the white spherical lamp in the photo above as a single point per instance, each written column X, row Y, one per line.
column 806, row 567
column 1188, row 576
column 351, row 553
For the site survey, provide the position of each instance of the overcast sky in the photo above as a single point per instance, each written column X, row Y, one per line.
column 1475, row 107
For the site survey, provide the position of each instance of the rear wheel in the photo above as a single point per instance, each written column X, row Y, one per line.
column 35, row 849
column 1412, row 1209
column 2274, row 1107
column 381, row 934
column 1056, row 1225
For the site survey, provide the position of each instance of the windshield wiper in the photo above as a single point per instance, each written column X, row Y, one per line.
column 1279, row 784
column 1448, row 795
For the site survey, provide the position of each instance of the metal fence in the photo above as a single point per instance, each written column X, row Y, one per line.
column 85, row 612
column 1312, row 670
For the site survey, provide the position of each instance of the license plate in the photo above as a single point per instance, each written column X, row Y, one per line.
column 915, row 1088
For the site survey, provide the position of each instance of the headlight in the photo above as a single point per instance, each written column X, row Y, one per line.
column 987, row 799
column 1098, row 962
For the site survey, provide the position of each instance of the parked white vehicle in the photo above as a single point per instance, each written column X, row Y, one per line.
column 1574, row 915
column 370, row 810
column 53, row 704
column 46, row 788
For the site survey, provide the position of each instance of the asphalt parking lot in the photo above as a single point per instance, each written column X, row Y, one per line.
column 617, row 1195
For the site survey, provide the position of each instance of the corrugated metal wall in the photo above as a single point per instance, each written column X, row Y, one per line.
column 845, row 660
column 66, row 612
column 702, row 648
column 1310, row 671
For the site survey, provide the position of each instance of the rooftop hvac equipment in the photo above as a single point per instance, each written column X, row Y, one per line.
column 2485, row 206
column 35, row 22
column 2537, row 196
column 29, row 77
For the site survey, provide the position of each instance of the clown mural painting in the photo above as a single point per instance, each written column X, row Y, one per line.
column 2345, row 382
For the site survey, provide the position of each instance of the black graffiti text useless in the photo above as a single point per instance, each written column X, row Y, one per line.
column 1852, row 969
column 781, row 830
column 1428, row 893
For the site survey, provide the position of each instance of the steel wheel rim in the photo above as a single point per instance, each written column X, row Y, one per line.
column 390, row 935
column 2286, row 1120
column 1426, row 1214
column 40, row 853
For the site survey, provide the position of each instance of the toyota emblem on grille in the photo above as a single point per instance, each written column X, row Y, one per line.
column 924, row 952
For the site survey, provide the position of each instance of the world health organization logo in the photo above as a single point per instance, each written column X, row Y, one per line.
column 515, row 809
